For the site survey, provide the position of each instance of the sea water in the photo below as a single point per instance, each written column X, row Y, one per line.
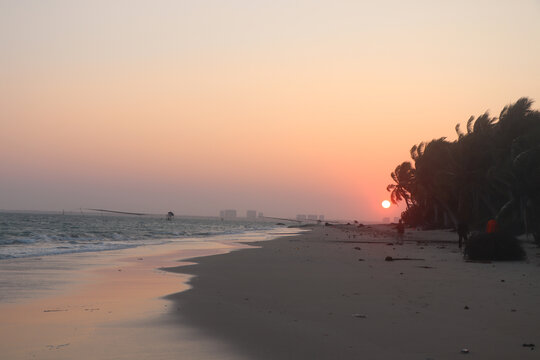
column 42, row 234
column 63, row 297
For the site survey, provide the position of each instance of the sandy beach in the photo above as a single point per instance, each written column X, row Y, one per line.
column 329, row 294
column 105, row 305
column 232, row 180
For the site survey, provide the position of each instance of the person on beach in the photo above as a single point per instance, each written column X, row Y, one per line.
column 492, row 226
column 463, row 232
column 400, row 231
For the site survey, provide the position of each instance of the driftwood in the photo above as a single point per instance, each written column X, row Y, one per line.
column 359, row 242
column 389, row 258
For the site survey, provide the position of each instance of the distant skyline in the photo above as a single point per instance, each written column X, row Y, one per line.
column 199, row 106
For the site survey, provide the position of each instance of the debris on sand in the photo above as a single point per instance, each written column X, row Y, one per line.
column 389, row 258
column 360, row 316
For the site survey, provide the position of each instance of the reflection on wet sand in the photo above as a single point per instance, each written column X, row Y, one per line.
column 100, row 306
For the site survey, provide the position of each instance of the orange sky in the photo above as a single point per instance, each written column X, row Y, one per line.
column 305, row 108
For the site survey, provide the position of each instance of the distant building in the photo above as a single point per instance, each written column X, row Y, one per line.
column 261, row 215
column 313, row 217
column 301, row 217
column 386, row 220
column 227, row 214
column 321, row 217
column 396, row 219
column 251, row 214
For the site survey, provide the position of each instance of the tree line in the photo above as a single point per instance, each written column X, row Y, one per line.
column 492, row 171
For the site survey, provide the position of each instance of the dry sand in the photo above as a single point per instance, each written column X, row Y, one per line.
column 330, row 294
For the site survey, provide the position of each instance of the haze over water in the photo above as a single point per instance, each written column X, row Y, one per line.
column 283, row 108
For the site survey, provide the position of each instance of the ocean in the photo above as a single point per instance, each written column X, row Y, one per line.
column 62, row 296
column 42, row 234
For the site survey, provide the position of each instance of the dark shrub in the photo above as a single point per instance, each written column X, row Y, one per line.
column 496, row 246
column 413, row 216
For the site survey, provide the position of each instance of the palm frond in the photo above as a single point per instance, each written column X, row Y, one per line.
column 414, row 152
column 459, row 133
column 470, row 125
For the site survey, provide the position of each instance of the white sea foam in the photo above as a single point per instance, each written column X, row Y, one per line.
column 26, row 235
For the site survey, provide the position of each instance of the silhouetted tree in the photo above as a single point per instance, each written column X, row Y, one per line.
column 492, row 169
column 403, row 177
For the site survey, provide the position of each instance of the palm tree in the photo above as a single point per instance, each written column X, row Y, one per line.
column 475, row 177
column 403, row 177
column 523, row 207
column 492, row 168
column 433, row 190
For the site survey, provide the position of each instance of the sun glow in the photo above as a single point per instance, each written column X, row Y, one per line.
column 385, row 204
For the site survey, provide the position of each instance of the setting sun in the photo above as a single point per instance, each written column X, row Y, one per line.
column 137, row 135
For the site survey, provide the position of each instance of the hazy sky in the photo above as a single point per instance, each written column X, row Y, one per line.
column 281, row 106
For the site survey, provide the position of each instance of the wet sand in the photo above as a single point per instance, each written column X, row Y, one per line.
column 105, row 305
column 330, row 294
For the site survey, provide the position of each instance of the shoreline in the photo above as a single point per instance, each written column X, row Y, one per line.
column 329, row 294
column 104, row 305
column 326, row 293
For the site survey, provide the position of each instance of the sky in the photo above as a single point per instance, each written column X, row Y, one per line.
column 285, row 107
